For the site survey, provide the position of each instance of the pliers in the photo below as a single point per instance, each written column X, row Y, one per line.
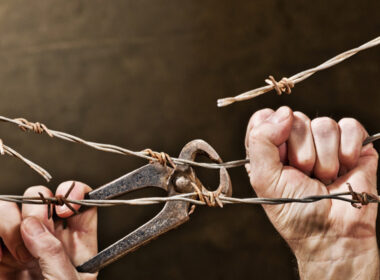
column 174, row 180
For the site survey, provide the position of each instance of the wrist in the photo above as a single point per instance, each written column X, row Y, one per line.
column 337, row 258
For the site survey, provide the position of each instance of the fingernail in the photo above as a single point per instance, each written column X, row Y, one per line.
column 33, row 226
column 280, row 115
column 23, row 254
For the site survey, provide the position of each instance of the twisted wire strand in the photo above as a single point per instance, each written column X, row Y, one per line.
column 6, row 150
column 352, row 197
column 287, row 83
column 147, row 154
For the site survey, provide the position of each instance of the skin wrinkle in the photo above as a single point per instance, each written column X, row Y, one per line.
column 342, row 258
column 285, row 186
column 325, row 231
column 275, row 178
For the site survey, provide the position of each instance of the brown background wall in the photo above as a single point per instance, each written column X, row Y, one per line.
column 147, row 74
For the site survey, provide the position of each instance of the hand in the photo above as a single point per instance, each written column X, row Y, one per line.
column 291, row 156
column 35, row 247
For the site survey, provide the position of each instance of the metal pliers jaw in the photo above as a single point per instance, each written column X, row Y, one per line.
column 174, row 213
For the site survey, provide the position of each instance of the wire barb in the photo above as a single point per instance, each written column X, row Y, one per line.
column 363, row 198
column 23, row 123
column 161, row 157
column 35, row 127
column 210, row 198
column 286, row 83
column 59, row 200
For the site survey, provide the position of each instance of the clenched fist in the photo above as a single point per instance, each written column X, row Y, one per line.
column 293, row 156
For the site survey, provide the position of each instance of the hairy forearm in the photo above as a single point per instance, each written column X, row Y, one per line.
column 346, row 258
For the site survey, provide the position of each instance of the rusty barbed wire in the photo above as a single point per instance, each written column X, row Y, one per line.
column 147, row 154
column 355, row 198
column 6, row 150
column 198, row 197
column 285, row 84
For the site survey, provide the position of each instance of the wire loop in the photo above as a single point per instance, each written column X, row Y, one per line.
column 210, row 198
column 284, row 85
column 363, row 198
column 161, row 157
column 35, row 127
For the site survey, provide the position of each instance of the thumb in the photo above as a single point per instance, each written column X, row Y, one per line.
column 43, row 245
column 266, row 139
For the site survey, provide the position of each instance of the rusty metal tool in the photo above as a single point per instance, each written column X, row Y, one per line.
column 174, row 181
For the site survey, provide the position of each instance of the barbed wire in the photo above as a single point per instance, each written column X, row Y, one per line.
column 355, row 198
column 6, row 150
column 285, row 84
column 147, row 154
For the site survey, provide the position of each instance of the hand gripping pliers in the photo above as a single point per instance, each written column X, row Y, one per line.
column 174, row 181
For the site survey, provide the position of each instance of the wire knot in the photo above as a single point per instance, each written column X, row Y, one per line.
column 284, row 85
column 363, row 198
column 35, row 127
column 59, row 200
column 210, row 198
column 163, row 158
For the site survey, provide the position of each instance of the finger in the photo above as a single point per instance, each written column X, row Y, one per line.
column 54, row 262
column 83, row 226
column 263, row 143
column 10, row 231
column 38, row 211
column 77, row 193
column 301, row 151
column 326, row 139
column 256, row 119
column 352, row 135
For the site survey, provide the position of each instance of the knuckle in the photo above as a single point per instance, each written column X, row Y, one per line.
column 323, row 122
column 259, row 116
column 350, row 125
column 301, row 123
column 301, row 116
column 323, row 126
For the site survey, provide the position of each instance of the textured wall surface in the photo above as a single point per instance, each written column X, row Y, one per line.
column 147, row 74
